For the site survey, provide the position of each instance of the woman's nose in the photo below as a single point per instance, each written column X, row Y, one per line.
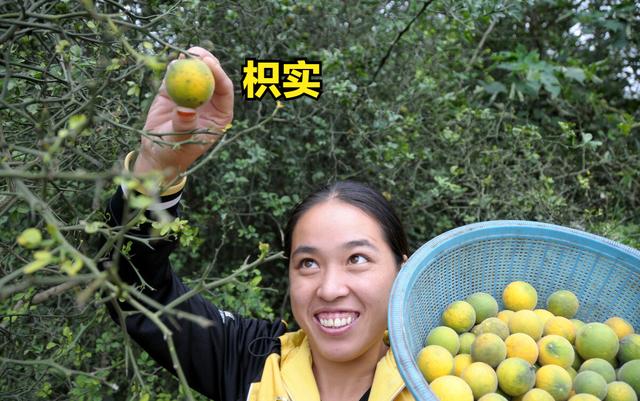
column 333, row 284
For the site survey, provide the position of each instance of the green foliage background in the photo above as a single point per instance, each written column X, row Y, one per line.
column 459, row 111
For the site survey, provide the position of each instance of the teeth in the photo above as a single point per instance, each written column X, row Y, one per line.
column 337, row 322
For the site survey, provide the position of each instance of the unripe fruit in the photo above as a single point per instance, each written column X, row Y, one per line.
column 190, row 82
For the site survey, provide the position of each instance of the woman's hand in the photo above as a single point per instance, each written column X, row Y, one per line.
column 166, row 117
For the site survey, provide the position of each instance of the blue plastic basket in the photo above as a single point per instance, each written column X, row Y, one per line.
column 604, row 274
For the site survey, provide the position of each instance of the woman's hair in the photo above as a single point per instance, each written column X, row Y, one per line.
column 364, row 198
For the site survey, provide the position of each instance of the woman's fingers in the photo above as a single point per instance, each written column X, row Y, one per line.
column 222, row 99
column 184, row 119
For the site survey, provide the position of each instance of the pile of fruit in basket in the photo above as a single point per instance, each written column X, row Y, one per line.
column 483, row 354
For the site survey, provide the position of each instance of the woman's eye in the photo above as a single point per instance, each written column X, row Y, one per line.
column 308, row 264
column 357, row 259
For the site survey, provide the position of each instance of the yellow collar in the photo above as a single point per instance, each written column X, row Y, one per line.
column 297, row 373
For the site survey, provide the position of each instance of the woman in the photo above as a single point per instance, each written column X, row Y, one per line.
column 345, row 245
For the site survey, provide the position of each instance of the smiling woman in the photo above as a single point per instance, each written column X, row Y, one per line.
column 345, row 245
column 341, row 269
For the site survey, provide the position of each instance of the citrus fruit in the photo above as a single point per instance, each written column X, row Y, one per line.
column 522, row 346
column 561, row 326
column 527, row 322
column 563, row 303
column 557, row 350
column 515, row 376
column 590, row 382
column 572, row 372
column 620, row 391
column 554, row 380
column 621, row 327
column 596, row 340
column 492, row 397
column 577, row 323
column 189, row 82
column 630, row 374
column 536, row 394
column 481, row 378
column 460, row 316
column 629, row 348
column 584, row 397
column 519, row 295
column 451, row 388
column 492, row 325
column 600, row 366
column 544, row 315
column 466, row 339
column 505, row 315
column 460, row 362
column 484, row 304
column 488, row 348
column 435, row 361
column 445, row 337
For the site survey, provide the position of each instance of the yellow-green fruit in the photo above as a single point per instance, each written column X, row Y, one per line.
column 527, row 322
column 577, row 362
column 516, row 376
column 536, row 394
column 481, row 378
column 584, row 397
column 591, row 383
column 561, row 326
column 484, row 304
column 488, row 348
column 445, row 337
column 572, row 372
column 492, row 325
column 577, row 323
column 556, row 350
column 189, row 82
column 451, row 388
column 620, row 391
column 554, row 380
column 621, row 327
column 563, row 303
column 600, row 366
column 505, row 315
column 519, row 295
column 544, row 315
column 596, row 340
column 30, row 238
column 522, row 346
column 460, row 316
column 466, row 339
column 492, row 397
column 629, row 348
column 460, row 363
column 435, row 361
column 630, row 374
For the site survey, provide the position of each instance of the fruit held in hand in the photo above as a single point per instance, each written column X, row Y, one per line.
column 190, row 82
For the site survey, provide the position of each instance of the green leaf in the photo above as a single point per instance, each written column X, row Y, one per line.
column 577, row 74
column 494, row 87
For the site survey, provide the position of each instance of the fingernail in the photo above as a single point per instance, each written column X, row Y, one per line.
column 185, row 112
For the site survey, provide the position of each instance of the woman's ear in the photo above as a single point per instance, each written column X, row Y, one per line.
column 404, row 260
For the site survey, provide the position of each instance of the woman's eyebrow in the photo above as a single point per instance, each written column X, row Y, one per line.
column 304, row 249
column 359, row 242
column 348, row 245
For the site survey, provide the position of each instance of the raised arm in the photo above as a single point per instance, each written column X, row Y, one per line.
column 216, row 360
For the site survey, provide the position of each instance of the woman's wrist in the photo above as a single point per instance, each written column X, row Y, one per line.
column 140, row 165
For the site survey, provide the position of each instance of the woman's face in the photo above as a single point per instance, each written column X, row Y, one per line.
column 341, row 271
